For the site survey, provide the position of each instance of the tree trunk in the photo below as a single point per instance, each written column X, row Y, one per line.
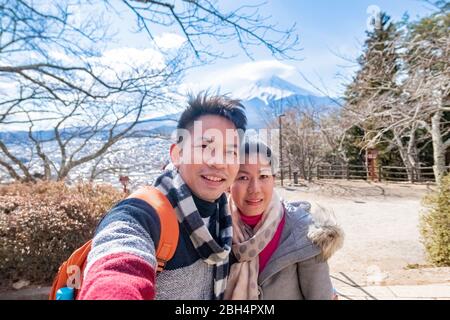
column 406, row 158
column 438, row 147
column 413, row 154
column 408, row 153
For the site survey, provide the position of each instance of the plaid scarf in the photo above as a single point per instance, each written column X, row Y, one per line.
column 177, row 192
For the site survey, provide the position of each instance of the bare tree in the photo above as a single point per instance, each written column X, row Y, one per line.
column 423, row 102
column 72, row 105
column 429, row 81
column 307, row 136
column 397, row 127
column 86, row 128
column 403, row 99
column 201, row 19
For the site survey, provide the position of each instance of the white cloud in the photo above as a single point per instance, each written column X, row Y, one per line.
column 234, row 77
column 253, row 71
column 169, row 41
column 8, row 88
column 124, row 58
column 114, row 63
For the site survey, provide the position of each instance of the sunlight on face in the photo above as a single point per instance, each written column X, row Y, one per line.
column 253, row 188
column 209, row 161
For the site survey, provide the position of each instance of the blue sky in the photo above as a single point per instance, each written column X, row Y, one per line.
column 327, row 29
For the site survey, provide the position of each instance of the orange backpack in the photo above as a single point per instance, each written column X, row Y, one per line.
column 167, row 245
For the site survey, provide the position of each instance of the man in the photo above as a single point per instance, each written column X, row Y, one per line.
column 122, row 263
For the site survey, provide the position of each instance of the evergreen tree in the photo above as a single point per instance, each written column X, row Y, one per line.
column 379, row 65
column 376, row 79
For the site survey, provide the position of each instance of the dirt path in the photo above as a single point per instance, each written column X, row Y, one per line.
column 382, row 244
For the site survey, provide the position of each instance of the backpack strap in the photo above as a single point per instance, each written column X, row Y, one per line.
column 167, row 245
column 169, row 234
column 75, row 265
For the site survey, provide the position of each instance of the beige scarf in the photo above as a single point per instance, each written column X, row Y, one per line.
column 247, row 244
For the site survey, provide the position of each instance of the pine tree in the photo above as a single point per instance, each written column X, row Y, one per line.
column 376, row 78
column 379, row 65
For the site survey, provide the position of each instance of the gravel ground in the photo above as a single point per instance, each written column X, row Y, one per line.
column 381, row 223
column 382, row 240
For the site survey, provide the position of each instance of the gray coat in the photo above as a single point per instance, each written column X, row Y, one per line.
column 298, row 268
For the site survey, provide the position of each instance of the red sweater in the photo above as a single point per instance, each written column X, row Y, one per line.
column 266, row 253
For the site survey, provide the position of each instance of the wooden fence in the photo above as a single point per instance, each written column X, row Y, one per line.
column 383, row 173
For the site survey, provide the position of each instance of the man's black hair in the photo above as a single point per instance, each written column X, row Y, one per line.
column 219, row 105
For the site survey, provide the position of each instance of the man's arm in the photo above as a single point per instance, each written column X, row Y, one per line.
column 122, row 263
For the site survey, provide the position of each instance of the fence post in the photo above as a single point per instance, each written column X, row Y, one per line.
column 380, row 172
column 318, row 172
column 348, row 172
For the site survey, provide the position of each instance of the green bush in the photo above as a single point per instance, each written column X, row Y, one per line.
column 41, row 224
column 435, row 225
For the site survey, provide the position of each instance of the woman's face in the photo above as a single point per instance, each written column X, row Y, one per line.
column 253, row 188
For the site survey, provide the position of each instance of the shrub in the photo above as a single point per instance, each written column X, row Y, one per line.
column 41, row 224
column 435, row 225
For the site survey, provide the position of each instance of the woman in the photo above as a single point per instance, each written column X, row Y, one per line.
column 279, row 251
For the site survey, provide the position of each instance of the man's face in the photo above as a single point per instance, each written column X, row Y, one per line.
column 208, row 160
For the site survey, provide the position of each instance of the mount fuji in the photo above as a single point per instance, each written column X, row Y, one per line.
column 267, row 98
column 263, row 100
column 270, row 89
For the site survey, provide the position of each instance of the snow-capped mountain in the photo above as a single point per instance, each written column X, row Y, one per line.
column 270, row 89
column 267, row 98
column 264, row 99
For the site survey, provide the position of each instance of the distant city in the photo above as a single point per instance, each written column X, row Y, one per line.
column 143, row 156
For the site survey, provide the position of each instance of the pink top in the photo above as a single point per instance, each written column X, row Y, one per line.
column 266, row 253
